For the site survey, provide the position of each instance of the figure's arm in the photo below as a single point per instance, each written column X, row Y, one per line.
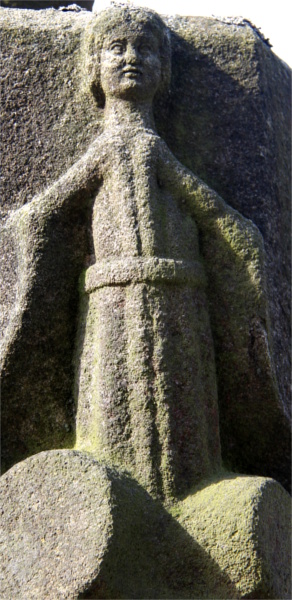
column 203, row 203
column 29, row 225
column 30, row 229
column 211, row 213
column 221, row 226
column 234, row 261
column 76, row 185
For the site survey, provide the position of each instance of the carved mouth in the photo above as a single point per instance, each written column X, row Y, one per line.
column 132, row 71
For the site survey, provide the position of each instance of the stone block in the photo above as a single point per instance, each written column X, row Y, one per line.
column 74, row 528
column 226, row 119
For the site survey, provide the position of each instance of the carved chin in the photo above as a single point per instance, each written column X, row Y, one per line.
column 133, row 87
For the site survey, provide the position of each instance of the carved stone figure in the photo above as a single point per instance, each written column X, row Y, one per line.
column 145, row 382
column 146, row 387
column 42, row 264
column 161, row 247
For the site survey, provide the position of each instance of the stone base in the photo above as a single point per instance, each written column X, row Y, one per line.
column 73, row 528
column 243, row 523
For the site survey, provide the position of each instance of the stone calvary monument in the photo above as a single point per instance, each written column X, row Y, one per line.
column 144, row 352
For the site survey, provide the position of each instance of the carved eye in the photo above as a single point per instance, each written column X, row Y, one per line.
column 117, row 47
column 145, row 48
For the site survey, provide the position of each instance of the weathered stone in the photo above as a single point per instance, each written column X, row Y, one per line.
column 243, row 523
column 73, row 528
column 56, row 519
column 172, row 299
column 224, row 88
column 33, row 111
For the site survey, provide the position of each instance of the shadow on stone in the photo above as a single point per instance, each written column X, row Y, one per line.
column 99, row 533
column 214, row 125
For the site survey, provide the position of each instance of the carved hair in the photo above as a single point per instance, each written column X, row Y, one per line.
column 123, row 18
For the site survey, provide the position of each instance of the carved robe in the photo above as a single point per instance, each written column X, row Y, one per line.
column 146, row 384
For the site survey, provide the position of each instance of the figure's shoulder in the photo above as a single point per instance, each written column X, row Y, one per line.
column 98, row 144
column 154, row 138
column 143, row 134
column 97, row 153
column 163, row 151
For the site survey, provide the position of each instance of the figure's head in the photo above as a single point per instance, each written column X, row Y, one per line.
column 128, row 54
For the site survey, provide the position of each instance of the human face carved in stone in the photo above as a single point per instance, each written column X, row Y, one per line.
column 130, row 65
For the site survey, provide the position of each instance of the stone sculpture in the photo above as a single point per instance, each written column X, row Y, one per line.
column 142, row 398
column 145, row 367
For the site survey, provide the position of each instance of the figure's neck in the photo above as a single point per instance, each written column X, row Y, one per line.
column 126, row 113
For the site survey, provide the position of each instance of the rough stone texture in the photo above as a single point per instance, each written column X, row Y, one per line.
column 226, row 119
column 129, row 279
column 238, row 522
column 56, row 519
column 236, row 138
column 39, row 367
column 73, row 528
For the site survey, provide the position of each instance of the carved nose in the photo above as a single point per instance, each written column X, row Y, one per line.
column 132, row 54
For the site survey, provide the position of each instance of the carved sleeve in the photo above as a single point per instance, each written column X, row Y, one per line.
column 225, row 233
column 216, row 220
column 203, row 202
column 32, row 224
column 77, row 185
